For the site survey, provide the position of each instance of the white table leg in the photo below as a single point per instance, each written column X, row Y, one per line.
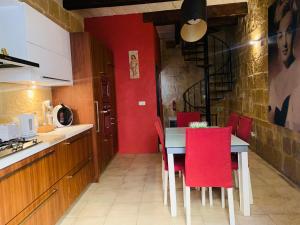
column 244, row 181
column 172, row 185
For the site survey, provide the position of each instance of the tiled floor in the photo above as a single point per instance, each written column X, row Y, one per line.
column 130, row 193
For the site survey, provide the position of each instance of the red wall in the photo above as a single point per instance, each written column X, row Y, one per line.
column 123, row 33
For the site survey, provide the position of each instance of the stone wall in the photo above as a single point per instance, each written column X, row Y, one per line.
column 53, row 9
column 176, row 77
column 16, row 99
column 277, row 145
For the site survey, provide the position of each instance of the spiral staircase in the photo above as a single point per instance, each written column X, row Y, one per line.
column 214, row 56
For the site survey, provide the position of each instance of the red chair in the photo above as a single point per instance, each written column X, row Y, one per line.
column 208, row 164
column 244, row 128
column 178, row 161
column 184, row 118
column 233, row 121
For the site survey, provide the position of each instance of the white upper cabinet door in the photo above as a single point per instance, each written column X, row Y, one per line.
column 42, row 31
column 27, row 34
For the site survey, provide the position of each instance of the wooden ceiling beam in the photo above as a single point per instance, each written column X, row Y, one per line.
column 215, row 13
column 89, row 4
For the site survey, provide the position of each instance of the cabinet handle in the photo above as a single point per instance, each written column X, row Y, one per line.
column 39, row 206
column 98, row 118
column 77, row 137
column 80, row 168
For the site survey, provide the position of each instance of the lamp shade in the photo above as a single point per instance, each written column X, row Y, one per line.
column 193, row 16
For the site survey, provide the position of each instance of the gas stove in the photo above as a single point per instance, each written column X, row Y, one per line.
column 15, row 145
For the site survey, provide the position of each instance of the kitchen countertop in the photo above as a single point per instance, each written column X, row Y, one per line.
column 48, row 139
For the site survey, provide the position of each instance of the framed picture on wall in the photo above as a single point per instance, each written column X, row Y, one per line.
column 284, row 64
column 134, row 64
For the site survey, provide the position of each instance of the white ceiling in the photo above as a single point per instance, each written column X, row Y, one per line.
column 153, row 7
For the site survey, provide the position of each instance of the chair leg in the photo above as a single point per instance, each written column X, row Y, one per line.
column 188, row 205
column 250, row 188
column 203, row 195
column 236, row 178
column 166, row 175
column 210, row 197
column 231, row 206
column 162, row 168
column 223, row 197
column 183, row 188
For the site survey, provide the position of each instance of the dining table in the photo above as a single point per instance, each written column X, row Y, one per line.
column 175, row 144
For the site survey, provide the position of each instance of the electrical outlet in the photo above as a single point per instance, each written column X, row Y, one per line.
column 142, row 103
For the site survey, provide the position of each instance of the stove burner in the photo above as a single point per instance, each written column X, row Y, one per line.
column 16, row 145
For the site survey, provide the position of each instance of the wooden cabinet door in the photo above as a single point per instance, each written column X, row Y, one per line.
column 22, row 187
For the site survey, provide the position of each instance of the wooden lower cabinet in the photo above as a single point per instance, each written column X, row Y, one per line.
column 40, row 192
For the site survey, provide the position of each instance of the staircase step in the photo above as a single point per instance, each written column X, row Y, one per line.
column 204, row 66
column 194, row 59
column 185, row 52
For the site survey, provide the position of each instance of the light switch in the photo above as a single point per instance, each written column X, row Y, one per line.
column 142, row 103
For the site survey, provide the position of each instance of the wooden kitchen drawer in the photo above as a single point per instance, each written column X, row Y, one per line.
column 21, row 187
column 79, row 178
column 47, row 209
column 77, row 149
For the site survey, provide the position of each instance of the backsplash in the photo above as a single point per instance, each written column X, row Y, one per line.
column 16, row 99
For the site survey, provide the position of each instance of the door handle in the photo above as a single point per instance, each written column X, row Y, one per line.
column 98, row 118
column 104, row 111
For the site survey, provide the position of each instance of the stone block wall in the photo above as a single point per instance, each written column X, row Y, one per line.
column 176, row 77
column 53, row 9
column 277, row 145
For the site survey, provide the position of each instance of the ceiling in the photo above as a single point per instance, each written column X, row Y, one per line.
column 164, row 14
column 139, row 8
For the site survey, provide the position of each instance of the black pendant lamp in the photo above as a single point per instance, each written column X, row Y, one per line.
column 193, row 15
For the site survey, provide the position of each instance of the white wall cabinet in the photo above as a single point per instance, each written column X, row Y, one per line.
column 29, row 35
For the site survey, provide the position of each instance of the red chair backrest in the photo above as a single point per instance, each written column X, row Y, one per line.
column 244, row 128
column 160, row 132
column 184, row 118
column 207, row 159
column 233, row 122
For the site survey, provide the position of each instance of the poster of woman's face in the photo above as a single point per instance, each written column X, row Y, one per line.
column 284, row 64
column 134, row 64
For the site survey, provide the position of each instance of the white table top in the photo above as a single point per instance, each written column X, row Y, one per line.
column 175, row 141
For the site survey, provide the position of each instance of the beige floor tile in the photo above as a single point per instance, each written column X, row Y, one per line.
column 286, row 219
column 153, row 208
column 128, row 196
column 255, row 220
column 93, row 209
column 122, row 220
column 153, row 196
column 67, row 221
column 123, row 209
column 153, row 219
column 76, row 208
column 90, row 221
